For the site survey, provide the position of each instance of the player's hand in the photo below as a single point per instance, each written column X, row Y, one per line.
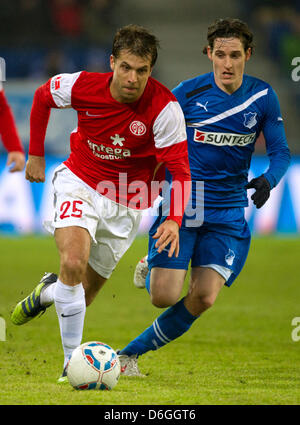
column 262, row 193
column 35, row 169
column 167, row 233
column 16, row 158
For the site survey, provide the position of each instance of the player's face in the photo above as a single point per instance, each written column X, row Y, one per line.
column 229, row 58
column 130, row 76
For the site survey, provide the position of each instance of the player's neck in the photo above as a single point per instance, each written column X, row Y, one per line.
column 229, row 88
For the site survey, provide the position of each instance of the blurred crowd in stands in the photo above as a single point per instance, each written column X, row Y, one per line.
column 39, row 38
column 279, row 21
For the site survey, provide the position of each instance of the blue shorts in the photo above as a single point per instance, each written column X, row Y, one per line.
column 223, row 239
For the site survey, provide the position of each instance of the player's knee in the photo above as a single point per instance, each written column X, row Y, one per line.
column 73, row 266
column 205, row 301
column 163, row 300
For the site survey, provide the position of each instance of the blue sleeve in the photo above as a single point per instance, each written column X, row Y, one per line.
column 276, row 143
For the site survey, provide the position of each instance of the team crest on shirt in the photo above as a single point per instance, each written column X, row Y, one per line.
column 229, row 257
column 250, row 119
column 137, row 128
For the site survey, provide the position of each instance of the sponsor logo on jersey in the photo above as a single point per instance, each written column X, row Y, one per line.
column 107, row 152
column 57, row 83
column 137, row 128
column 92, row 115
column 202, row 106
column 224, row 139
column 250, row 119
column 117, row 140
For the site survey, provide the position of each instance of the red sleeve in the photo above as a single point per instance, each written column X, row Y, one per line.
column 176, row 160
column 8, row 130
column 39, row 117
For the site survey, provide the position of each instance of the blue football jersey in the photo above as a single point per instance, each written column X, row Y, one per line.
column 222, row 130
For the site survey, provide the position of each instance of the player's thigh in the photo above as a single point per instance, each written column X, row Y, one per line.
column 73, row 207
column 166, row 285
column 73, row 222
column 73, row 239
column 168, row 273
column 226, row 253
column 73, row 244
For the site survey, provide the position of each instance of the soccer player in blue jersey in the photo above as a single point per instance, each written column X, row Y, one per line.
column 225, row 111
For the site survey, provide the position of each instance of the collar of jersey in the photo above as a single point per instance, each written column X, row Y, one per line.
column 236, row 93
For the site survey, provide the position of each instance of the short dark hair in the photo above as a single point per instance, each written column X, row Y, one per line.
column 137, row 40
column 228, row 28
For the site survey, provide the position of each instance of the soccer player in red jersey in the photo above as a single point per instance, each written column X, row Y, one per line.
column 9, row 135
column 129, row 128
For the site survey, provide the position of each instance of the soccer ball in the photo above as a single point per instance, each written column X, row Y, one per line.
column 93, row 365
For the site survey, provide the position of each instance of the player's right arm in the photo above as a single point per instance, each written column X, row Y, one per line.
column 171, row 149
column 56, row 93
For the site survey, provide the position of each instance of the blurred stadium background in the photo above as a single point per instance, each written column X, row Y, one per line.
column 41, row 38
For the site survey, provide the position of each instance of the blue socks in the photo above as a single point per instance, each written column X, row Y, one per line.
column 171, row 324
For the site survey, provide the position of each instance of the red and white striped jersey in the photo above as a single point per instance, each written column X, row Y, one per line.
column 114, row 138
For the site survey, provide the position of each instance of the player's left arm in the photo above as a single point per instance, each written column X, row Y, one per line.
column 10, row 137
column 277, row 151
column 168, row 231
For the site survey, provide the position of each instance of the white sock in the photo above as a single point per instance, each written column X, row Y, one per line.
column 47, row 294
column 70, row 308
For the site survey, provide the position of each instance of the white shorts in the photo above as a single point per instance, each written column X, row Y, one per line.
column 112, row 227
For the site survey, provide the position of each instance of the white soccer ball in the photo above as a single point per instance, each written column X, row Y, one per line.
column 93, row 365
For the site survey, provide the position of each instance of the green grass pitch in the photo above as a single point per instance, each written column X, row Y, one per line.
column 241, row 351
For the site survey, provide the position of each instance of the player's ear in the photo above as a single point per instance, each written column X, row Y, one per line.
column 112, row 62
column 209, row 52
column 248, row 53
